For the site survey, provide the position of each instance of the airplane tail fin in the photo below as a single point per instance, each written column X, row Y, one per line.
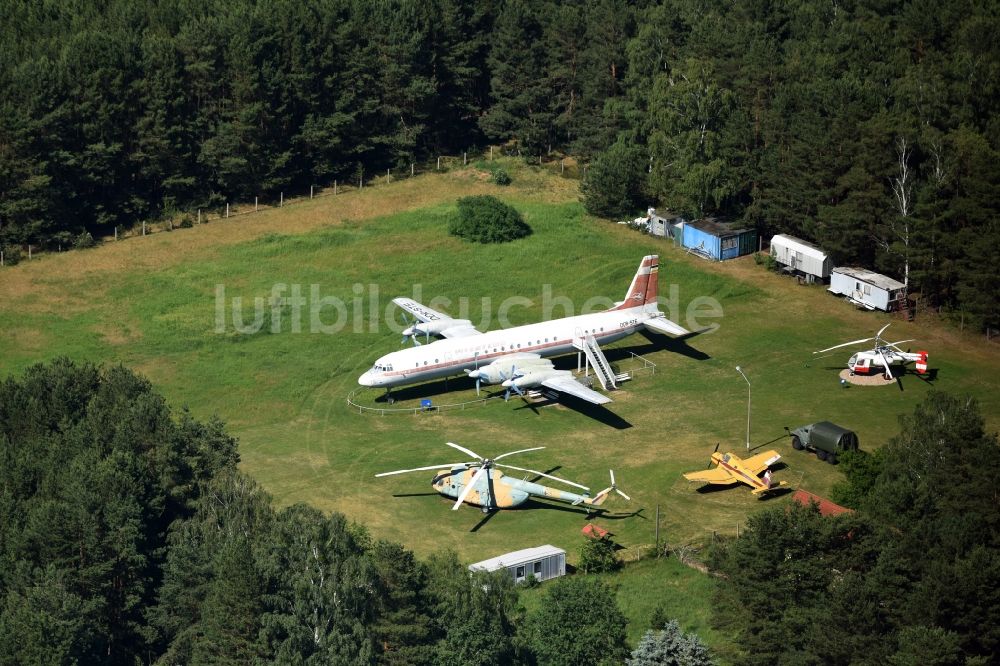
column 643, row 290
column 922, row 362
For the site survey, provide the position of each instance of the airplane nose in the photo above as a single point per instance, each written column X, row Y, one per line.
column 365, row 379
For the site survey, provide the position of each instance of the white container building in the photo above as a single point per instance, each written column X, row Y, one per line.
column 867, row 289
column 542, row 562
column 799, row 257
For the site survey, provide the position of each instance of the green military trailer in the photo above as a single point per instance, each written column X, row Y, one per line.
column 827, row 439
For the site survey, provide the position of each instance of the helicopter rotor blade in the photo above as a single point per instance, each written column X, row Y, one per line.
column 878, row 336
column 885, row 362
column 422, row 469
column 846, row 344
column 511, row 453
column 547, row 476
column 468, row 488
column 615, row 486
column 464, row 450
column 895, row 345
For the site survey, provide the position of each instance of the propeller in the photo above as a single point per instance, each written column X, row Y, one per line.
column 509, row 382
column 613, row 487
column 410, row 331
column 547, row 476
column 846, row 344
column 894, row 345
column 465, row 451
column 878, row 336
column 421, row 469
column 885, row 362
column 475, row 374
column 413, row 330
column 468, row 487
column 711, row 459
column 510, row 453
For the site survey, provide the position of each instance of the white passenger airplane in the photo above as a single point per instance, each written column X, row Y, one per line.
column 515, row 357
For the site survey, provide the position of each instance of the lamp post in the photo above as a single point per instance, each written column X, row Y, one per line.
column 739, row 370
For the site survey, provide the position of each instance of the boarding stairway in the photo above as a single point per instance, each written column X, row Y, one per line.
column 597, row 360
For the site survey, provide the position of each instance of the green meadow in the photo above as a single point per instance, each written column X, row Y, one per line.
column 151, row 303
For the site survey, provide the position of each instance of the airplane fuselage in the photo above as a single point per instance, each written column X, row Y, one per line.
column 448, row 357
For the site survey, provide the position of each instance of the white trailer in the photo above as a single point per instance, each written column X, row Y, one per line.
column 798, row 257
column 867, row 289
column 542, row 562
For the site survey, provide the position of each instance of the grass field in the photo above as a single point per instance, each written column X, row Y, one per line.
column 150, row 303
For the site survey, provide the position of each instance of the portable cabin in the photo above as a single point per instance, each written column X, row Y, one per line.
column 542, row 562
column 664, row 225
column 798, row 257
column 866, row 288
column 712, row 239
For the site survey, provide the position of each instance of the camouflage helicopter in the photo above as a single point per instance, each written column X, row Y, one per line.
column 479, row 483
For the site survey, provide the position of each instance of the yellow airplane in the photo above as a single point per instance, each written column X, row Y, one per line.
column 731, row 469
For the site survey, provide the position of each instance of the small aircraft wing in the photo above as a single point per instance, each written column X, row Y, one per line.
column 461, row 329
column 664, row 326
column 760, row 462
column 576, row 389
column 717, row 476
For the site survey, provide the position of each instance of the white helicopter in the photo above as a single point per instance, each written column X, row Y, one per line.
column 480, row 483
column 882, row 357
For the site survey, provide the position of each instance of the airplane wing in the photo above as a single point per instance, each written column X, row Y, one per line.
column 576, row 389
column 761, row 461
column 664, row 326
column 460, row 329
column 717, row 476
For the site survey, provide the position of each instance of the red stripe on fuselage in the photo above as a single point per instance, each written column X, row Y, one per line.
column 495, row 355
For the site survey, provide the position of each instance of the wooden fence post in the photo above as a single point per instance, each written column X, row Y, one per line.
column 439, row 162
column 281, row 200
column 255, row 206
column 491, row 153
column 29, row 251
column 144, row 227
column 465, row 159
column 411, row 169
column 199, row 216
column 334, row 188
column 386, row 176
column 227, row 210
column 116, row 232
column 310, row 191
column 1, row 258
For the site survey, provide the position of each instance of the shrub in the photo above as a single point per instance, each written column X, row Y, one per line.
column 186, row 222
column 501, row 177
column 83, row 241
column 486, row 219
column 11, row 255
column 598, row 556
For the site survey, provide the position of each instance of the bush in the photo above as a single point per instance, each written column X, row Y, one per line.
column 186, row 222
column 486, row 219
column 598, row 556
column 84, row 241
column 501, row 177
column 11, row 255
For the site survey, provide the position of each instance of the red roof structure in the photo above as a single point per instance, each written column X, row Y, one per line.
column 593, row 531
column 826, row 507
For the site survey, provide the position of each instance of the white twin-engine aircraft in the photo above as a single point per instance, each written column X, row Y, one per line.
column 515, row 357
